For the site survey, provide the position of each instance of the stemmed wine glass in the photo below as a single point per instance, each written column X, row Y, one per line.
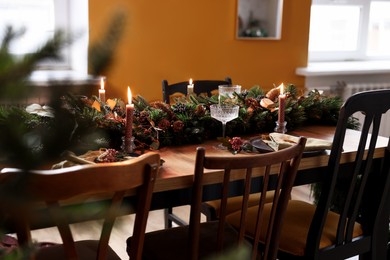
column 224, row 113
column 227, row 94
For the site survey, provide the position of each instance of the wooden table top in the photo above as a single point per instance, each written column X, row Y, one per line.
column 177, row 170
column 176, row 174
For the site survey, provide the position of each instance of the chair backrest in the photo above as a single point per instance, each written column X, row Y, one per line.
column 281, row 165
column 110, row 180
column 200, row 86
column 366, row 189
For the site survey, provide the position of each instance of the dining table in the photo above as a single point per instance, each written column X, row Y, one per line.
column 172, row 187
column 173, row 184
column 175, row 177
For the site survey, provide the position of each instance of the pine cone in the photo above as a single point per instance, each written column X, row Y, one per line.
column 179, row 108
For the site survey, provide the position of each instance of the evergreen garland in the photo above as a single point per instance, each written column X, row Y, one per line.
column 92, row 124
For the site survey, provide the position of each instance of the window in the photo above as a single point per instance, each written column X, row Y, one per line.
column 40, row 19
column 348, row 30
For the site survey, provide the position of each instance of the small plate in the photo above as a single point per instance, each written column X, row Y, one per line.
column 261, row 146
column 313, row 153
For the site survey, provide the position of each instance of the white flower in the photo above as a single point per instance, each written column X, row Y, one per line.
column 40, row 110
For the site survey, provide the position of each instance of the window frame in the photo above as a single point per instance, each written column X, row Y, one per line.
column 71, row 16
column 361, row 52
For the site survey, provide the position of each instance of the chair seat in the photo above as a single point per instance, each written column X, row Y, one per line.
column 172, row 243
column 234, row 204
column 86, row 249
column 296, row 225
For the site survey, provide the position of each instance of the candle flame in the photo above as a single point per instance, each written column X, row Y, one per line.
column 190, row 81
column 129, row 97
column 102, row 83
column 281, row 86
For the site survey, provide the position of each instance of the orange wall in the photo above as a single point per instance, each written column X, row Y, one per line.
column 181, row 39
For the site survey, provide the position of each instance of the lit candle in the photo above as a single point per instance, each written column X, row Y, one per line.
column 129, row 123
column 102, row 91
column 190, row 88
column 282, row 104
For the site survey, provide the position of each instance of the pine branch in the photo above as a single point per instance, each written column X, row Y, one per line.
column 14, row 72
column 101, row 53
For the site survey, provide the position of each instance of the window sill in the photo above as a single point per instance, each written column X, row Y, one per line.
column 46, row 78
column 344, row 68
column 45, row 83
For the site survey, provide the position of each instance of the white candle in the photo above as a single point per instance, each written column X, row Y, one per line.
column 102, row 91
column 190, row 88
column 282, row 104
column 129, row 123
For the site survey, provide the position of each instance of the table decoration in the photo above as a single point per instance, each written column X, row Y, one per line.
column 224, row 113
column 281, row 124
column 228, row 94
column 102, row 91
column 46, row 111
column 102, row 155
column 261, row 146
column 157, row 124
column 129, row 139
column 284, row 140
column 190, row 88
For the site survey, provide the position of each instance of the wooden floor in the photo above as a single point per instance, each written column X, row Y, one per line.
column 123, row 225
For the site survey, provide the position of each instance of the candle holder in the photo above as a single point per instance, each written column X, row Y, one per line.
column 281, row 127
column 128, row 147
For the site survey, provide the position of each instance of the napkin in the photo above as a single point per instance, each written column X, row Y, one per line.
column 71, row 159
column 280, row 141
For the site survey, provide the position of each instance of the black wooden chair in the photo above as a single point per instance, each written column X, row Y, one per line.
column 172, row 91
column 361, row 225
column 54, row 187
column 200, row 87
column 199, row 240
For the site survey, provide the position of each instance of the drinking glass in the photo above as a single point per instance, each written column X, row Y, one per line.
column 226, row 94
column 224, row 113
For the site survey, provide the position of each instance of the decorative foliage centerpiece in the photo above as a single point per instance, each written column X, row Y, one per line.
column 157, row 124
column 97, row 124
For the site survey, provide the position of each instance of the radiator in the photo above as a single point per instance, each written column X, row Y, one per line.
column 352, row 88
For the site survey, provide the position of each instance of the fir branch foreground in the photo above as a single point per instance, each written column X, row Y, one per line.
column 29, row 140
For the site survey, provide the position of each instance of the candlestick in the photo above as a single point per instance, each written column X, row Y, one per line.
column 281, row 124
column 282, row 104
column 129, row 123
column 280, row 127
column 102, row 91
column 190, row 88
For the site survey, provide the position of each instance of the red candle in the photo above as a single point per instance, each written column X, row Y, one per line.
column 129, row 123
column 102, row 91
column 282, row 105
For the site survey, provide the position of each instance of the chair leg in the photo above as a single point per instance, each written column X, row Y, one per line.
column 209, row 212
column 170, row 218
column 167, row 220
